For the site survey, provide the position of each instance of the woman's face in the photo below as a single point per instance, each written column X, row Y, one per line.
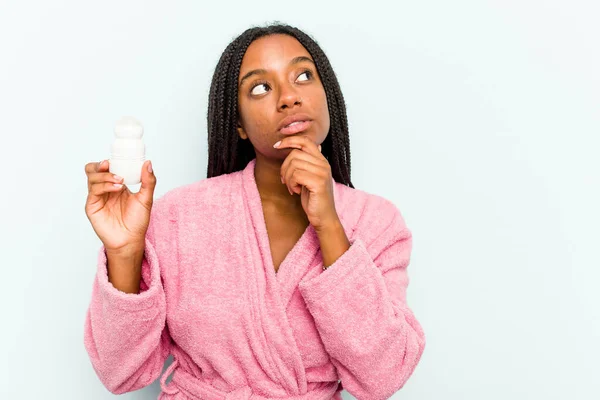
column 273, row 84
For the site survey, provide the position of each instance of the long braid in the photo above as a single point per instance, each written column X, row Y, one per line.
column 227, row 151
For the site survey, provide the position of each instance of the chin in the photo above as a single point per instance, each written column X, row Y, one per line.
column 305, row 133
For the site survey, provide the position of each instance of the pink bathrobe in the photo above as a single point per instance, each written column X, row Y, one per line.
column 237, row 329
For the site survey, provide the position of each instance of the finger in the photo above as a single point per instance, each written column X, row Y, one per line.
column 98, row 189
column 146, row 193
column 93, row 167
column 99, row 177
column 302, row 178
column 301, row 142
column 297, row 154
column 103, row 166
column 297, row 168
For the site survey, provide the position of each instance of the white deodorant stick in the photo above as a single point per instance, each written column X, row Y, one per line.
column 128, row 152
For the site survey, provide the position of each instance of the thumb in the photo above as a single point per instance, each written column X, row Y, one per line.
column 146, row 192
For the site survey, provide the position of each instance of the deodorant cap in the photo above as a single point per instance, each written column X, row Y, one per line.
column 129, row 127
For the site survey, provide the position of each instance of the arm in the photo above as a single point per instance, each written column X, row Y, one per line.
column 125, row 269
column 125, row 334
column 359, row 307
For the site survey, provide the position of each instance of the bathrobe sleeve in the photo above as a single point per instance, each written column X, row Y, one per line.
column 125, row 334
column 360, row 310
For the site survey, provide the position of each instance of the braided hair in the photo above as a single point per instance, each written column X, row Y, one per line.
column 227, row 152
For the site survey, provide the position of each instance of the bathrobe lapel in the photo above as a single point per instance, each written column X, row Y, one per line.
column 270, row 292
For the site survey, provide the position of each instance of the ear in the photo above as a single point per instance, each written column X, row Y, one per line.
column 241, row 131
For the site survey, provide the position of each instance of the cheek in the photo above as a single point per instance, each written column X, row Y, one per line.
column 324, row 111
column 257, row 125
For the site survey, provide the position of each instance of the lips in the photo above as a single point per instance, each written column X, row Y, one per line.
column 287, row 125
column 295, row 127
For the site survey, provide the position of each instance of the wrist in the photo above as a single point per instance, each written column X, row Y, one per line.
column 124, row 267
column 127, row 252
column 327, row 228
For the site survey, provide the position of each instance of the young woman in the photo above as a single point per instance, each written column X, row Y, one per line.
column 273, row 278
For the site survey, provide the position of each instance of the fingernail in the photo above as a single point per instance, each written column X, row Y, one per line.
column 117, row 177
column 117, row 185
column 277, row 144
column 150, row 166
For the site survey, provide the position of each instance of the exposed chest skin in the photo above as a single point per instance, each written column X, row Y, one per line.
column 284, row 231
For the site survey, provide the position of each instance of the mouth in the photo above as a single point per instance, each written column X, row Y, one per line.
column 295, row 127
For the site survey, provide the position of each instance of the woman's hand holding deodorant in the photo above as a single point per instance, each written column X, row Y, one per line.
column 119, row 217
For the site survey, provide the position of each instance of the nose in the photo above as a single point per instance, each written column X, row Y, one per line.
column 289, row 98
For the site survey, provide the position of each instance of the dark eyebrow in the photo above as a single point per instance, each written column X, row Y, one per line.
column 299, row 59
column 295, row 60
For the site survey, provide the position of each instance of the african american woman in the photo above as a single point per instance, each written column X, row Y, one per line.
column 273, row 278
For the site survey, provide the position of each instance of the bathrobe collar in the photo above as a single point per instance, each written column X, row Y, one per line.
column 272, row 292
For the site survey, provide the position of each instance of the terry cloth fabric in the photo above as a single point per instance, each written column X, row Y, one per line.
column 237, row 329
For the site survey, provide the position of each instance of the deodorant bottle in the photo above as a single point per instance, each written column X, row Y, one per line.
column 128, row 152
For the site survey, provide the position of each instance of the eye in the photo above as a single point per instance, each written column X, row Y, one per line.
column 258, row 84
column 264, row 84
column 308, row 74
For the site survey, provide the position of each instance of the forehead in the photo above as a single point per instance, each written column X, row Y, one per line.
column 272, row 52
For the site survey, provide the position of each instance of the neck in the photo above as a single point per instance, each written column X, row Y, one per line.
column 267, row 173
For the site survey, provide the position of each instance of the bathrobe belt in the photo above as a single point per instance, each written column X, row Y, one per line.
column 197, row 389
